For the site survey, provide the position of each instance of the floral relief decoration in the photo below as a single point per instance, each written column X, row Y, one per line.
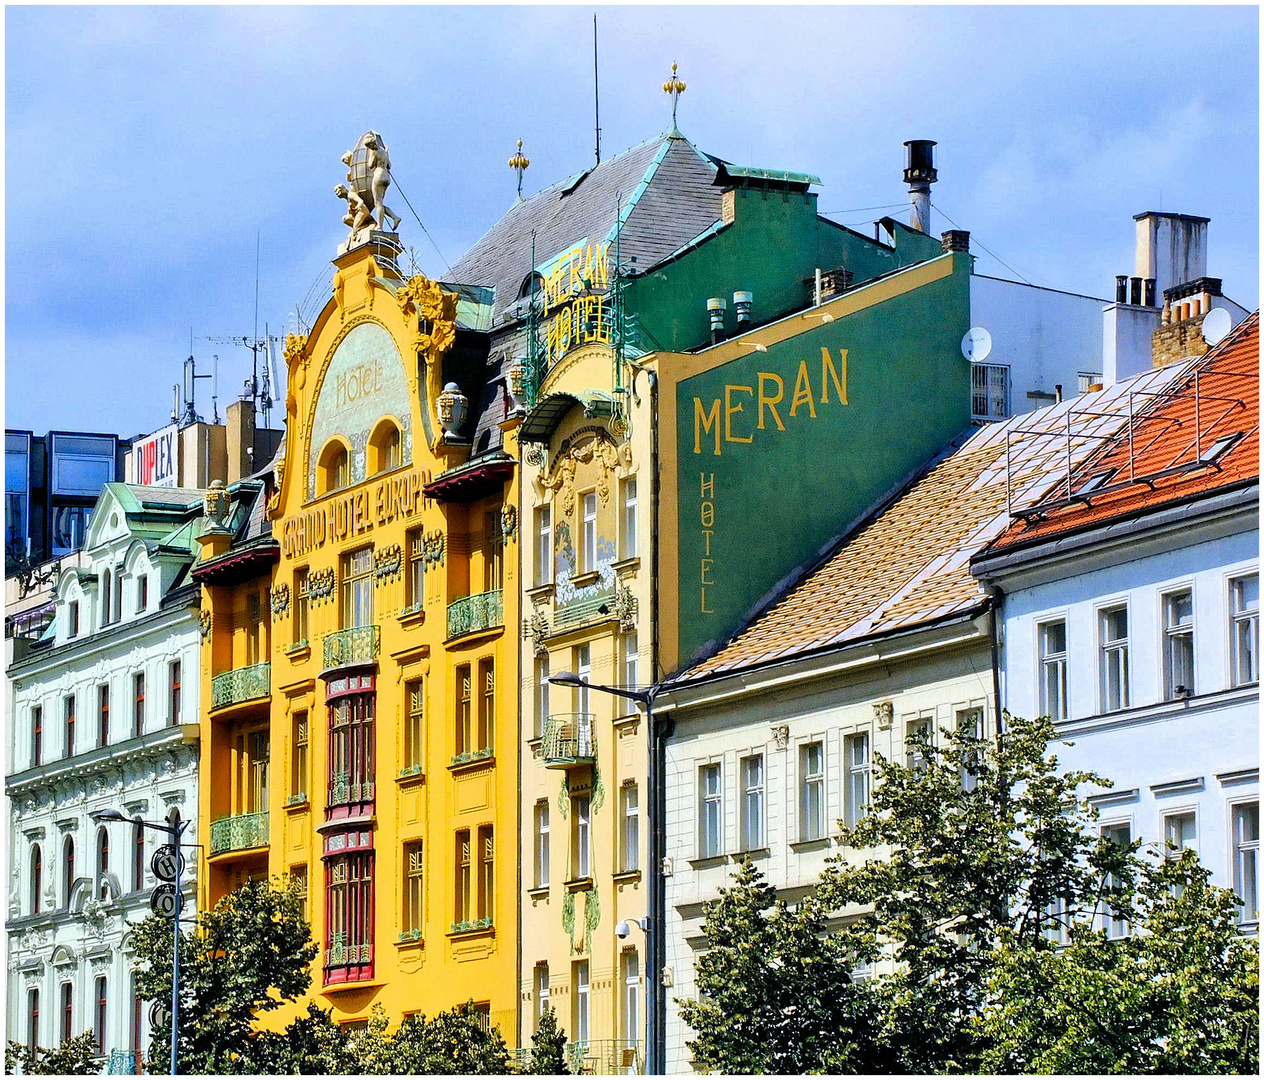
column 509, row 521
column 204, row 624
column 388, row 563
column 279, row 599
column 320, row 585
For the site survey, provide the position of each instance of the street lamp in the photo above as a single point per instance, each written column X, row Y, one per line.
column 174, row 833
column 655, row 1049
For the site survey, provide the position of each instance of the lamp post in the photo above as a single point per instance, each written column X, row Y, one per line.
column 655, row 1046
column 174, row 833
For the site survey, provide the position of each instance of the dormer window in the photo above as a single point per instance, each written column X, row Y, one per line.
column 72, row 619
column 106, row 593
column 142, row 594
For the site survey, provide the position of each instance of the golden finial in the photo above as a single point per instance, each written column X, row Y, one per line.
column 519, row 163
column 675, row 88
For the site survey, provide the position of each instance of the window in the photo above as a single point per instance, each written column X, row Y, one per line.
column 173, row 697
column 1116, row 924
column 300, row 736
column 1180, row 831
column 352, row 757
column 334, row 468
column 1246, row 859
column 357, row 588
column 74, row 619
column 752, row 824
column 540, row 980
column 117, row 608
column 970, row 724
column 67, row 1011
column 67, row 870
column 917, row 741
column 543, row 545
column 103, row 862
column 37, row 878
column 989, row 391
column 581, row 866
column 811, row 791
column 138, row 856
column 487, row 704
column 542, row 844
column 464, row 711
column 1053, row 670
column 1178, row 645
column 588, row 551
column 349, row 943
column 493, row 552
column 1057, row 921
column 37, row 735
column 103, row 714
column 69, row 712
column 416, row 581
column 1085, row 379
column 137, row 1046
column 856, row 762
column 486, row 874
column 630, row 842
column 1245, row 602
column 709, row 811
column 255, row 651
column 583, row 668
column 32, row 1024
column 580, row 1019
column 627, row 524
column 463, row 907
column 413, row 891
column 631, row 994
column 138, row 703
column 385, row 447
column 415, row 706
column 105, row 597
column 142, row 594
column 260, row 752
column 541, row 694
column 1113, row 629
column 631, row 661
column 298, row 875
column 302, row 603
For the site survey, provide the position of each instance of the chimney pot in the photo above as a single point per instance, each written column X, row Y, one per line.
column 919, row 174
column 1136, row 291
column 716, row 306
column 1148, row 284
column 742, row 301
column 1121, row 288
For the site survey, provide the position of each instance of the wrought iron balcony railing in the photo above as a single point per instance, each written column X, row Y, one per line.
column 482, row 611
column 123, row 1063
column 606, row 1057
column 343, row 790
column 569, row 739
column 239, row 832
column 354, row 645
column 241, row 684
column 340, row 954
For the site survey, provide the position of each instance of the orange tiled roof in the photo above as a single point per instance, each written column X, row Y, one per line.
column 909, row 563
column 1170, row 454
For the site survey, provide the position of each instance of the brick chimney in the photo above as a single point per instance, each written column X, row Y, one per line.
column 1181, row 334
column 239, row 419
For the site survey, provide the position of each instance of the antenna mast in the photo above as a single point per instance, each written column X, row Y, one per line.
column 596, row 92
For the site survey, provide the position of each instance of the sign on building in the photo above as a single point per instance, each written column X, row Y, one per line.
column 155, row 459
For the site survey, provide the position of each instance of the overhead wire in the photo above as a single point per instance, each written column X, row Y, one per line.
column 423, row 227
column 984, row 246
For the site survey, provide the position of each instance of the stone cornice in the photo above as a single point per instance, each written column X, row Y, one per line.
column 153, row 744
column 87, row 648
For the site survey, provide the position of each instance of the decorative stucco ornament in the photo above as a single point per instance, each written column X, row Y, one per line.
column 883, row 713
column 537, row 629
column 516, row 382
column 388, row 562
column 215, row 503
column 625, row 608
column 781, row 735
column 432, row 548
column 509, row 521
column 320, row 585
column 452, row 407
column 368, row 177
column 279, row 599
column 436, row 308
column 204, row 624
column 535, row 454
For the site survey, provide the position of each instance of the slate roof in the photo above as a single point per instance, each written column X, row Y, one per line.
column 1168, row 458
column 668, row 198
column 907, row 564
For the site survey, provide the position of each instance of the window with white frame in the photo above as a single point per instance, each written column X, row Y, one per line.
column 1057, row 921
column 856, row 762
column 581, row 814
column 583, row 668
column 918, row 739
column 811, row 791
column 627, row 517
column 588, row 533
column 1178, row 645
column 1115, row 922
column 709, row 811
column 752, row 779
column 1246, row 859
column 542, row 844
column 631, row 661
column 543, row 545
column 1244, row 598
column 541, row 981
column 541, row 694
column 631, row 995
column 989, row 391
column 1085, row 379
column 1053, row 669
column 1113, row 636
column 630, row 816
column 580, row 1019
column 1180, row 830
column 970, row 724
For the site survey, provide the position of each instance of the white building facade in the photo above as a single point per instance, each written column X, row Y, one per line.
column 103, row 716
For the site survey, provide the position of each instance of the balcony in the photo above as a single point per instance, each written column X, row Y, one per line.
column 123, row 1063
column 470, row 614
column 239, row 833
column 241, row 684
column 569, row 740
column 340, row 954
column 355, row 645
column 605, row 1057
column 342, row 790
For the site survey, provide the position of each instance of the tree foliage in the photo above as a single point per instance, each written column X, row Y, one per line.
column 75, row 1057
column 974, row 859
column 548, row 1047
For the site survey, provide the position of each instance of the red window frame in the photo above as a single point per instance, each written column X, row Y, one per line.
column 349, row 899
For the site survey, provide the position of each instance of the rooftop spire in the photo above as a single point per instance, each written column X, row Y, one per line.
column 519, row 163
column 675, row 88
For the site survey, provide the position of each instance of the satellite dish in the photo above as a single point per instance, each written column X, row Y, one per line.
column 1216, row 326
column 976, row 345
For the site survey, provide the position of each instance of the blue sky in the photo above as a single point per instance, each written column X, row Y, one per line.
column 146, row 148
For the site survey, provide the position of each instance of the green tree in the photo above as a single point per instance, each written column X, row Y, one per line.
column 311, row 1045
column 776, row 992
column 247, row 956
column 454, row 1041
column 75, row 1057
column 548, row 1047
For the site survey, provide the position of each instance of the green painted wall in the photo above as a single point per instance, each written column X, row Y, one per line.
column 775, row 242
column 777, row 498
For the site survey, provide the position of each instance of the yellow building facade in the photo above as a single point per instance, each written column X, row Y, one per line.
column 361, row 735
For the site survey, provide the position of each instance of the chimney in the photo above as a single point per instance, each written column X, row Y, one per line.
column 1135, row 298
column 919, row 174
column 1171, row 248
column 1121, row 288
column 240, row 422
column 715, row 308
column 1148, row 286
column 742, row 308
column 955, row 240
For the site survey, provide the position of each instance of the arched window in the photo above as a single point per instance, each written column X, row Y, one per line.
column 138, row 857
column 334, row 467
column 386, row 447
column 67, row 869
column 103, row 861
column 532, row 283
column 37, row 875
column 105, row 597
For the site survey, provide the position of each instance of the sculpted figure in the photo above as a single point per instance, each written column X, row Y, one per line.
column 380, row 180
column 358, row 213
